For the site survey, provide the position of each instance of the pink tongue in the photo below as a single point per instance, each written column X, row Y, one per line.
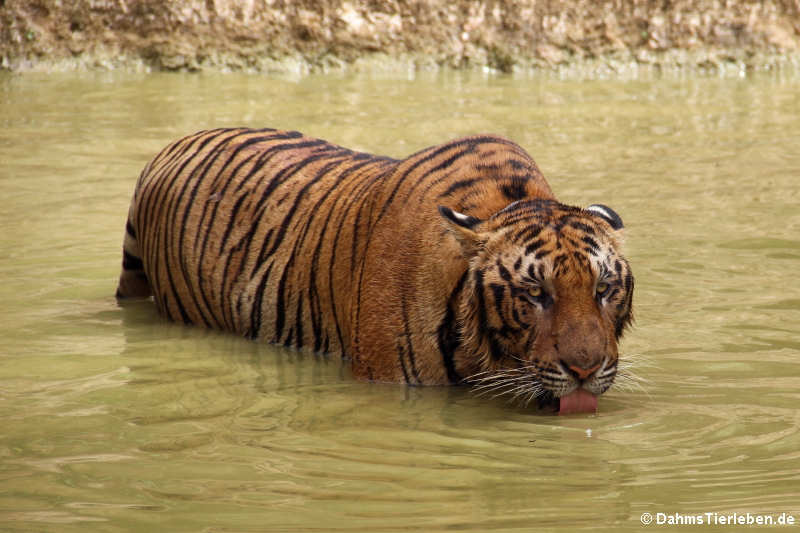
column 578, row 401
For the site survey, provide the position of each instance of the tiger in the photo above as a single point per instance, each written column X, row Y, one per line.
column 455, row 265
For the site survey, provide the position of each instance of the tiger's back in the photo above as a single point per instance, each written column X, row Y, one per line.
column 224, row 218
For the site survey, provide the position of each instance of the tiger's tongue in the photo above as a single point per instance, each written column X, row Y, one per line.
column 577, row 401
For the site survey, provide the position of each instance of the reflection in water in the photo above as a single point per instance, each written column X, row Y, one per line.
column 114, row 417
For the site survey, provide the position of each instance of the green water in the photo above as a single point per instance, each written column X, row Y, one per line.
column 112, row 420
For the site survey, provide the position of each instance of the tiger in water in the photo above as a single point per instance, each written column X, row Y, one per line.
column 453, row 265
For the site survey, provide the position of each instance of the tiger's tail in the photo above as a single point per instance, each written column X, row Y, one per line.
column 133, row 282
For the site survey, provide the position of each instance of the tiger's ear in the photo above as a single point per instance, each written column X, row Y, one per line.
column 463, row 228
column 607, row 214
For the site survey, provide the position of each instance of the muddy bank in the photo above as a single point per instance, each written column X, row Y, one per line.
column 321, row 35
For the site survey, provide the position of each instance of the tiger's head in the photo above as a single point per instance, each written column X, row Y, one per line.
column 545, row 300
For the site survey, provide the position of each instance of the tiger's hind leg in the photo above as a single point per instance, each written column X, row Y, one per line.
column 133, row 281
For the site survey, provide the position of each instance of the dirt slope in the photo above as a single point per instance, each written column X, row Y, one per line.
column 307, row 35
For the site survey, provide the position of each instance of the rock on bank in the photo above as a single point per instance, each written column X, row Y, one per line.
column 309, row 35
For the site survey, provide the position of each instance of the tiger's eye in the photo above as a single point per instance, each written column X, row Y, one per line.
column 602, row 288
column 536, row 292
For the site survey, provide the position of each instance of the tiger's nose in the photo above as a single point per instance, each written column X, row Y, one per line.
column 582, row 374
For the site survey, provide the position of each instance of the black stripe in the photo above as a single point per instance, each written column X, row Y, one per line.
column 448, row 335
column 402, row 362
column 179, row 303
column 484, row 329
column 409, row 343
column 131, row 262
column 440, row 178
column 504, row 273
column 262, row 253
column 298, row 320
column 280, row 306
column 558, row 263
column 231, row 221
column 535, row 245
column 225, row 285
column 258, row 300
column 582, row 227
column 528, row 233
column 499, row 293
column 514, row 190
column 354, row 243
column 619, row 326
column 591, row 242
column 462, row 184
column 129, row 229
column 495, row 349
column 315, row 312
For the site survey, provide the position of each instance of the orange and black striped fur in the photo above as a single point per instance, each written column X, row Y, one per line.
column 453, row 265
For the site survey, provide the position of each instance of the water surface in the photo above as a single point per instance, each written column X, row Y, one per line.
column 113, row 420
